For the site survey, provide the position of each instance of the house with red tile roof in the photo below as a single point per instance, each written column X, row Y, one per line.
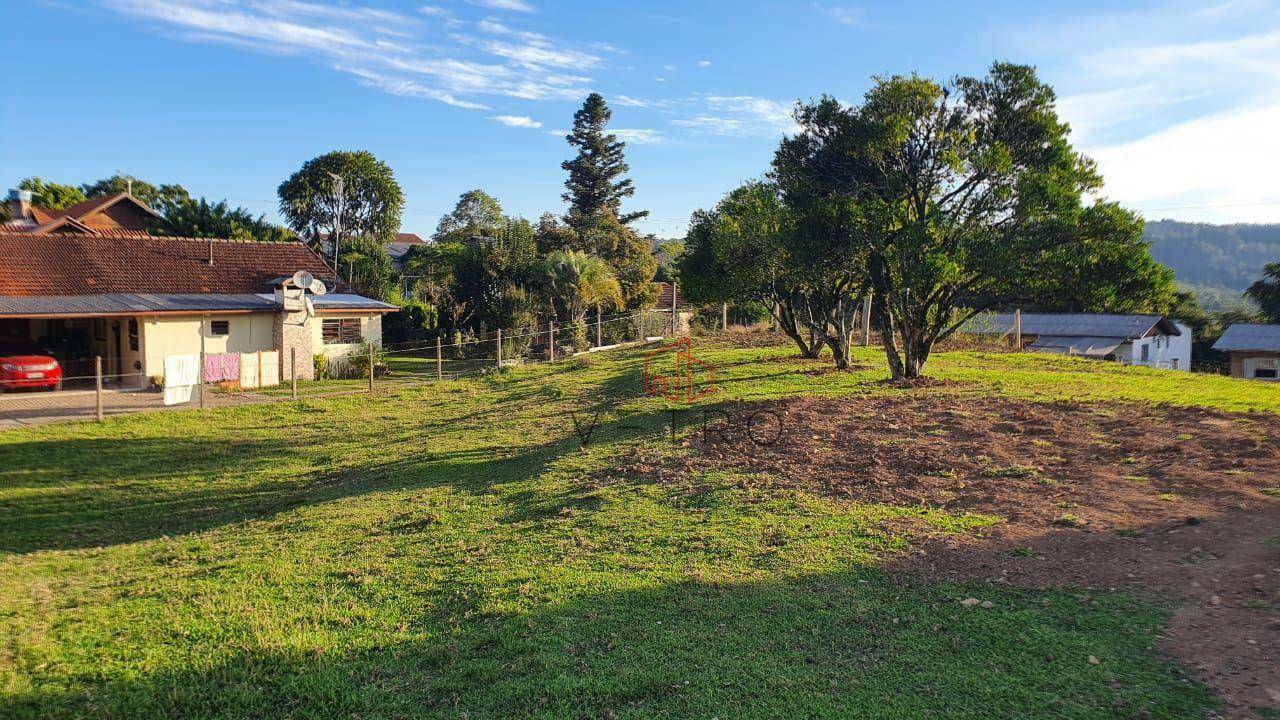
column 88, row 287
column 115, row 215
column 398, row 248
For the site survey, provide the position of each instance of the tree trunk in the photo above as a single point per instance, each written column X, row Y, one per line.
column 784, row 314
column 887, row 336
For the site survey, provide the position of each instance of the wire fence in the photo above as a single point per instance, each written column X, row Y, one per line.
column 226, row 379
column 267, row 376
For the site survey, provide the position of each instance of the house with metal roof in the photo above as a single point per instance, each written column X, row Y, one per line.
column 1254, row 350
column 133, row 299
column 1147, row 340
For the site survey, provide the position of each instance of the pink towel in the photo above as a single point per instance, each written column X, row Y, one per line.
column 219, row 367
column 212, row 366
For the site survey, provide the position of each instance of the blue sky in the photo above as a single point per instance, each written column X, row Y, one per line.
column 1178, row 101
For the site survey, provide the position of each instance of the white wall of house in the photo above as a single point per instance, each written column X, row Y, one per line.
column 370, row 332
column 180, row 335
column 1163, row 351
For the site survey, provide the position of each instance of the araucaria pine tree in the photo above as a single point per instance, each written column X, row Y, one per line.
column 596, row 184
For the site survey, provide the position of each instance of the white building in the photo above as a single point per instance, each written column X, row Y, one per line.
column 1147, row 340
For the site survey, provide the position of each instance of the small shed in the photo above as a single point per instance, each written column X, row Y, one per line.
column 1254, row 350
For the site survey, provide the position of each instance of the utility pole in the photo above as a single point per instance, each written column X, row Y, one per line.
column 339, row 204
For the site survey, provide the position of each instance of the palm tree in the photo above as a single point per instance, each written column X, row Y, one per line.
column 578, row 281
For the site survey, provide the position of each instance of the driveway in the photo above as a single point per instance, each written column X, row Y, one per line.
column 18, row 409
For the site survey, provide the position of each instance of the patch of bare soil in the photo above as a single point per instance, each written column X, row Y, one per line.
column 1181, row 503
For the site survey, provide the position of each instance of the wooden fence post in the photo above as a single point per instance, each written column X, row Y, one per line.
column 293, row 371
column 439, row 362
column 97, row 374
column 1017, row 329
column 599, row 340
column 552, row 345
column 866, row 320
column 499, row 347
column 724, row 317
column 371, row 367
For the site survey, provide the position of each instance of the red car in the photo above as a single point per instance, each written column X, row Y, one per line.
column 27, row 365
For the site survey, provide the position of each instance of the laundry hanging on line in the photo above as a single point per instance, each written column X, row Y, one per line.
column 181, row 373
column 221, row 367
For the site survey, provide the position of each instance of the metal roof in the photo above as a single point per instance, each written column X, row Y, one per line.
column 1089, row 346
column 1078, row 325
column 1243, row 336
column 150, row 304
column 344, row 301
column 133, row 304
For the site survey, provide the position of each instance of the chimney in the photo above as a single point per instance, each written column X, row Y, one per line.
column 20, row 204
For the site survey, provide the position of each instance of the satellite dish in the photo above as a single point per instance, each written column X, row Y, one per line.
column 317, row 287
column 302, row 279
column 311, row 307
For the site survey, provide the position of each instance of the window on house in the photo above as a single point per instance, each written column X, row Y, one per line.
column 220, row 327
column 1146, row 353
column 133, row 334
column 340, row 331
column 1265, row 369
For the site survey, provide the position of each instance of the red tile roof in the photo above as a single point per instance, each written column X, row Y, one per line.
column 91, row 264
column 409, row 239
column 44, row 220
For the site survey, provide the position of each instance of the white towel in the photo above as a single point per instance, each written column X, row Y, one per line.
column 181, row 373
column 270, row 369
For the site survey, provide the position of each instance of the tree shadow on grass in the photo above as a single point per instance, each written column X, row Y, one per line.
column 89, row 492
column 850, row 644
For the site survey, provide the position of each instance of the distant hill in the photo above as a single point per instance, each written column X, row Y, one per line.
column 1217, row 261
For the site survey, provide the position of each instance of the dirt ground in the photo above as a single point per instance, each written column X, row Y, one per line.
column 1180, row 503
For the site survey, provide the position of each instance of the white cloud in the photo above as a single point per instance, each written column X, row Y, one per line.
column 534, row 54
column 712, row 124
column 1178, row 120
column 1220, row 166
column 404, row 55
column 628, row 101
column 1092, row 114
column 638, row 136
column 704, row 63
column 523, row 121
column 851, row 15
column 512, row 5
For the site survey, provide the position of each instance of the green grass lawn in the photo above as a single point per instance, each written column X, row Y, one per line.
column 451, row 550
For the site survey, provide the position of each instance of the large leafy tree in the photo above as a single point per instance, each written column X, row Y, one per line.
column 201, row 218
column 577, row 282
column 183, row 215
column 159, row 197
column 368, row 206
column 51, row 195
column 365, row 265
column 739, row 251
column 1266, row 292
column 596, row 184
column 477, row 214
column 944, row 201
